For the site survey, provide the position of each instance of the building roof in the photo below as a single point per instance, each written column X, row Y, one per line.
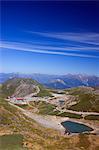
column 20, row 98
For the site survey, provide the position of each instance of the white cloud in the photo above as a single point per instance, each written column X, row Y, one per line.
column 41, row 49
column 85, row 38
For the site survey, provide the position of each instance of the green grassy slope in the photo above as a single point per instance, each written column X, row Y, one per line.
column 92, row 117
column 49, row 109
column 11, row 142
column 86, row 100
column 43, row 92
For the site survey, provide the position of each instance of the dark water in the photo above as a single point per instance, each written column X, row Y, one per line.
column 74, row 127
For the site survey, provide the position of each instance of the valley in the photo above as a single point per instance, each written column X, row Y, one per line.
column 43, row 110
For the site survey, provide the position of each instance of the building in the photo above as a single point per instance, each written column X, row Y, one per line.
column 19, row 98
column 61, row 102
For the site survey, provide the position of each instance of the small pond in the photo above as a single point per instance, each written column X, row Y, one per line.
column 74, row 127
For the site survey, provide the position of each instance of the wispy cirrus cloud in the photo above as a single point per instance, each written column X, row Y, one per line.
column 85, row 38
column 45, row 49
column 49, row 47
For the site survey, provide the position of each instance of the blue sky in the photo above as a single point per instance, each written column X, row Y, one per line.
column 50, row 37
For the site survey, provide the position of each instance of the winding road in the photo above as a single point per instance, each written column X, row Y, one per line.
column 78, row 112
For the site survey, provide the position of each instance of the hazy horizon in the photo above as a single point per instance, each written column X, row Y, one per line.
column 83, row 74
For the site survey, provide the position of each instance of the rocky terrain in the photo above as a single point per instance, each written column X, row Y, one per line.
column 20, row 87
column 18, row 121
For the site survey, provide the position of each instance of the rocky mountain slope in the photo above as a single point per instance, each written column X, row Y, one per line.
column 21, row 87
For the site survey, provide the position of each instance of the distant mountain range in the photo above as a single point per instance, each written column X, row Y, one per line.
column 56, row 81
